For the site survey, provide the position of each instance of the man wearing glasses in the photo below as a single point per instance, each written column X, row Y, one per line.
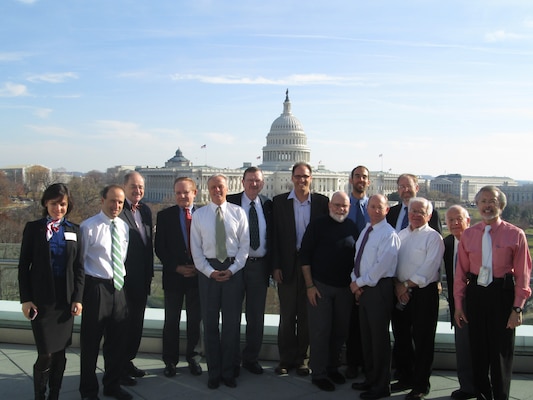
column 292, row 212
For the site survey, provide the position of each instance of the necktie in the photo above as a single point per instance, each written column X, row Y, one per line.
column 405, row 220
column 220, row 233
column 116, row 257
column 357, row 264
column 135, row 207
column 359, row 217
column 254, row 227
column 188, row 219
column 486, row 252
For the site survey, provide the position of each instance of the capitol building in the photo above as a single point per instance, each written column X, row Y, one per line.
column 286, row 144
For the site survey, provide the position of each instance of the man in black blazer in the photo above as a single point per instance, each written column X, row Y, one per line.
column 180, row 279
column 291, row 213
column 408, row 188
column 257, row 270
column 139, row 269
column 458, row 221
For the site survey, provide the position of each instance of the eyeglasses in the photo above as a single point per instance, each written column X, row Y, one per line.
column 418, row 212
column 298, row 177
column 405, row 187
column 340, row 205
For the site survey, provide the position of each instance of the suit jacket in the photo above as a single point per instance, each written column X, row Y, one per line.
column 266, row 204
column 171, row 248
column 394, row 213
column 449, row 244
column 140, row 258
column 35, row 275
column 284, row 254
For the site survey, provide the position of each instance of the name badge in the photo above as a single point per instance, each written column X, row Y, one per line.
column 71, row 236
column 483, row 277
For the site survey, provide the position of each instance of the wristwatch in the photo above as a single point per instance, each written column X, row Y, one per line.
column 406, row 284
column 517, row 309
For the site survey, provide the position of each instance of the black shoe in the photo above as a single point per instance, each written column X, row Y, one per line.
column 236, row 371
column 336, row 377
column 254, row 368
column 323, row 384
column 170, row 370
column 230, row 382
column 281, row 369
column 363, row 386
column 370, row 395
column 213, row 383
column 400, row 386
column 126, row 380
column 415, row 395
column 195, row 368
column 303, row 370
column 132, row 370
column 462, row 395
column 351, row 372
column 118, row 393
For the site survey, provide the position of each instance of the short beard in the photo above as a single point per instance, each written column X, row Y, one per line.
column 338, row 218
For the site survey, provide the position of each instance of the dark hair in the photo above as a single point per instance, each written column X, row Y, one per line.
column 56, row 191
column 360, row 166
column 251, row 170
column 108, row 188
column 302, row 164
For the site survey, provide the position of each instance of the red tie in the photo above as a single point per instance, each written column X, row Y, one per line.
column 188, row 219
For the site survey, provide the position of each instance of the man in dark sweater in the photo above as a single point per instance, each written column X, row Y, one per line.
column 326, row 257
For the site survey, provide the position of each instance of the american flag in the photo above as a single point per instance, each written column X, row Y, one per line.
column 203, row 146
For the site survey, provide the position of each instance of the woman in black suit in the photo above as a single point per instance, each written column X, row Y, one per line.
column 51, row 280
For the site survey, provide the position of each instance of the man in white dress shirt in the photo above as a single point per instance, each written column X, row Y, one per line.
column 220, row 254
column 414, row 319
column 373, row 290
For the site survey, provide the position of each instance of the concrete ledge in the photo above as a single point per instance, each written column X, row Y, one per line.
column 14, row 328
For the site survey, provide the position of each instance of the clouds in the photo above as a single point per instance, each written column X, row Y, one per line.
column 60, row 77
column 291, row 80
column 10, row 89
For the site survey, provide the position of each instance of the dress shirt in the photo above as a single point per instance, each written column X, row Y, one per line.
column 363, row 203
column 401, row 216
column 510, row 254
column 420, row 255
column 245, row 203
column 96, row 244
column 380, row 254
column 203, row 237
column 302, row 216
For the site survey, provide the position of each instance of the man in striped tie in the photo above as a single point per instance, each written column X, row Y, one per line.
column 104, row 247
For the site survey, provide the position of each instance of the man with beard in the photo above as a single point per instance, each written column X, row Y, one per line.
column 492, row 281
column 372, row 284
column 360, row 181
column 326, row 258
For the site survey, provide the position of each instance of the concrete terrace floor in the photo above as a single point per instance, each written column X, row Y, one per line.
column 16, row 362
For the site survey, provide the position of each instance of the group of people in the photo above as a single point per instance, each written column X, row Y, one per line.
column 344, row 268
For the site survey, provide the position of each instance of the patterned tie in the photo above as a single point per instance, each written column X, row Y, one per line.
column 220, row 233
column 254, row 227
column 188, row 219
column 116, row 257
column 486, row 252
column 357, row 264
column 405, row 220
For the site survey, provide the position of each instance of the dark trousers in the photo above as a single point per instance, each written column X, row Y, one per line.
column 414, row 333
column 171, row 329
column 104, row 314
column 293, row 330
column 492, row 344
column 136, row 307
column 375, row 309
column 328, row 328
column 463, row 359
column 255, row 275
column 354, row 350
column 221, row 298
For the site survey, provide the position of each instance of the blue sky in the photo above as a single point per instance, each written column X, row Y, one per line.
column 435, row 86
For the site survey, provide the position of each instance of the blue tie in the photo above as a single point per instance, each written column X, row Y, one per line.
column 359, row 217
column 405, row 220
